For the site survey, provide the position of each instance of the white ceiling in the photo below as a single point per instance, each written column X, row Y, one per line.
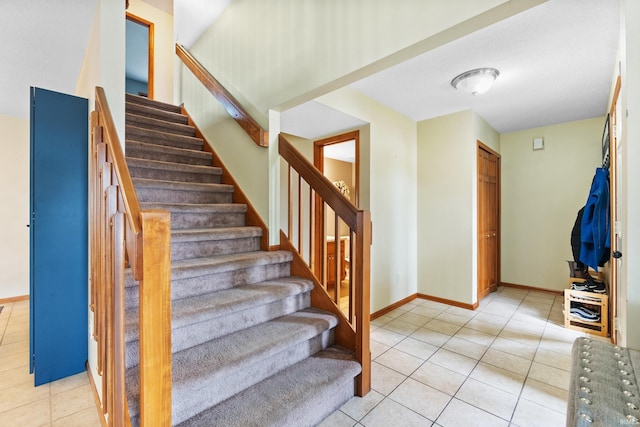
column 343, row 151
column 556, row 64
column 43, row 44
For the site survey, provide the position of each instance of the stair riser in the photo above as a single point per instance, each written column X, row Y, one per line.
column 159, row 125
column 210, row 391
column 188, row 250
column 185, row 158
column 169, row 175
column 183, row 221
column 160, row 138
column 181, row 196
column 204, row 284
column 192, row 335
column 155, row 113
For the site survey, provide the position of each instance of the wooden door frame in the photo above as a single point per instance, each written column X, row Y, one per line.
column 613, row 195
column 150, row 25
column 481, row 146
column 318, row 217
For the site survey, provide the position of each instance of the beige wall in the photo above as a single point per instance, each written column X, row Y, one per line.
column 164, row 50
column 14, row 211
column 388, row 190
column 542, row 192
column 446, row 157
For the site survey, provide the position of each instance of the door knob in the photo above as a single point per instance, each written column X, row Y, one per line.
column 616, row 254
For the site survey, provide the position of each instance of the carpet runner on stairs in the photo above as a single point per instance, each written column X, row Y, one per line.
column 248, row 350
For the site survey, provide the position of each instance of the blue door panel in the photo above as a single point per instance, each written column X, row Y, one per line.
column 58, row 232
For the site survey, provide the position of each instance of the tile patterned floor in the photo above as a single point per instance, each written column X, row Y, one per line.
column 65, row 403
column 505, row 364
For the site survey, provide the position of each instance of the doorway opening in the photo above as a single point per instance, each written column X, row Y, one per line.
column 338, row 158
column 139, row 56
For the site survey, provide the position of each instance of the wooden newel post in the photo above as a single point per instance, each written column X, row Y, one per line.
column 155, row 320
column 363, row 301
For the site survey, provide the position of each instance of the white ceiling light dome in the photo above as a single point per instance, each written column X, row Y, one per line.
column 475, row 81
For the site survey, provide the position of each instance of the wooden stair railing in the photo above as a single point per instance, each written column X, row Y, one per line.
column 233, row 107
column 306, row 185
column 122, row 235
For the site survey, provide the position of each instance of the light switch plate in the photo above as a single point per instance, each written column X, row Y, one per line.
column 538, row 143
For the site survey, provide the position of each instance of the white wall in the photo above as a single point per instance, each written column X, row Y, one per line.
column 14, row 211
column 164, row 48
column 389, row 162
column 446, row 155
column 542, row 192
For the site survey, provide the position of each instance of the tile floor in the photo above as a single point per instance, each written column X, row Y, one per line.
column 64, row 403
column 504, row 364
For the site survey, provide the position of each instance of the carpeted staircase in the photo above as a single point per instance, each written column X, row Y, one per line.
column 248, row 350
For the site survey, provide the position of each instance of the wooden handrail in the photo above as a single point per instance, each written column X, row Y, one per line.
column 128, row 193
column 233, row 107
column 353, row 329
column 123, row 235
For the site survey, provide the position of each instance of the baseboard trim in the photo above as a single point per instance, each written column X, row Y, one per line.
column 449, row 302
column 393, row 306
column 274, row 247
column 529, row 288
column 103, row 420
column 410, row 298
column 14, row 299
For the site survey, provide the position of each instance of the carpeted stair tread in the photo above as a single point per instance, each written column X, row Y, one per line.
column 219, row 264
column 136, row 134
column 219, row 313
column 152, row 103
column 202, row 215
column 181, row 186
column 290, row 398
column 196, row 207
column 175, row 167
column 156, row 113
column 197, row 243
column 211, row 372
column 197, row 235
column 156, row 124
column 155, row 190
column 167, row 153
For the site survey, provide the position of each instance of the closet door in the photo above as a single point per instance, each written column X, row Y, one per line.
column 58, row 234
column 488, row 220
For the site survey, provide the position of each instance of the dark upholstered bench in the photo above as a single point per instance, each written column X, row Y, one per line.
column 603, row 389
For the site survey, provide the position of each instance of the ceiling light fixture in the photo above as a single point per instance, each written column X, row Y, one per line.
column 475, row 81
